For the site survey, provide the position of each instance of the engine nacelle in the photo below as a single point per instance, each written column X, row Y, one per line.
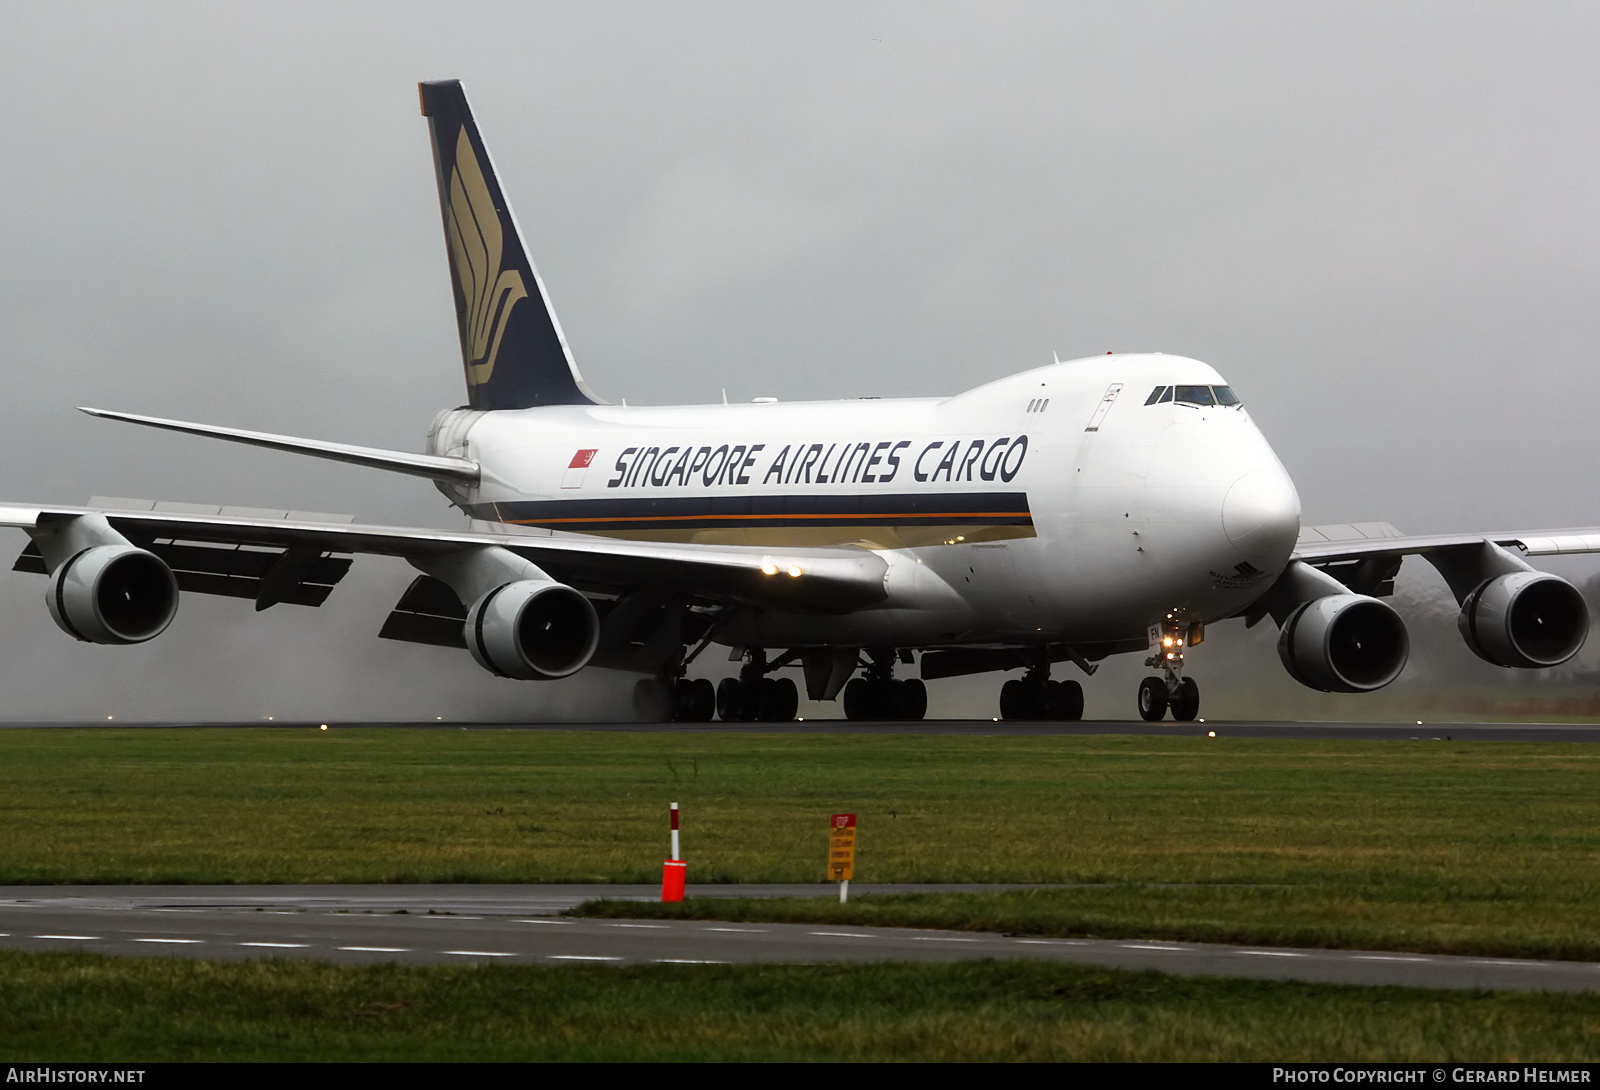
column 113, row 594
column 532, row 630
column 1344, row 643
column 1526, row 619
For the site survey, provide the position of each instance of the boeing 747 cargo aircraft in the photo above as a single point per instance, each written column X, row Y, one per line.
column 1112, row 505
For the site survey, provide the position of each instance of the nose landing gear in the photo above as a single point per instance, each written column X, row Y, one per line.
column 1171, row 689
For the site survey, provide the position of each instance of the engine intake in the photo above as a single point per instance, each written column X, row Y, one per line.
column 1344, row 643
column 1525, row 619
column 113, row 594
column 532, row 630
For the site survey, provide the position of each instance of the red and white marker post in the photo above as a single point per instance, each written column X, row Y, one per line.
column 674, row 870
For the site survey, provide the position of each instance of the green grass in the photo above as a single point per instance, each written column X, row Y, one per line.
column 1326, row 916
column 1484, row 847
column 83, row 1007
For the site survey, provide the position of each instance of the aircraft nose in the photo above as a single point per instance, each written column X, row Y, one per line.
column 1261, row 515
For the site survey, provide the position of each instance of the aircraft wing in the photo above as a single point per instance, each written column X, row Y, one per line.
column 297, row 557
column 1320, row 545
column 1364, row 558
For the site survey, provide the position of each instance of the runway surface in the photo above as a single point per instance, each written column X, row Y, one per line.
column 1222, row 728
column 519, row 924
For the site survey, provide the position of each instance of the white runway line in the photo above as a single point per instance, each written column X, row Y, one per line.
column 581, row 957
column 652, row 926
column 1147, row 946
column 840, row 934
column 939, row 938
column 378, row 949
column 687, row 961
column 1054, row 942
column 279, row 945
column 69, row 938
column 743, row 930
column 182, row 942
column 562, row 923
column 1272, row 953
column 482, row 953
column 1385, row 957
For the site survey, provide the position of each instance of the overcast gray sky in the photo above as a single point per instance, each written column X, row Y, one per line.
column 1378, row 221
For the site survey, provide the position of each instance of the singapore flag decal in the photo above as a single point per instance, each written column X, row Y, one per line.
column 577, row 468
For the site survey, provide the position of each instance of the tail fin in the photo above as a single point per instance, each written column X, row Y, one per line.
column 511, row 344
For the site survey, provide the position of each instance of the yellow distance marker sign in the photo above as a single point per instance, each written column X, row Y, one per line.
column 841, row 847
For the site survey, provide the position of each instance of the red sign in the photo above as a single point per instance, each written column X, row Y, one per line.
column 844, row 821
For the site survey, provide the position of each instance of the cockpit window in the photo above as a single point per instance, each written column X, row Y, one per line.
column 1193, row 395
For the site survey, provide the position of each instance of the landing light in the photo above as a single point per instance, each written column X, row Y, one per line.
column 324, row 726
column 794, row 571
column 768, row 568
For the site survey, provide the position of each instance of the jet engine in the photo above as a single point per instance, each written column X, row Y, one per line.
column 532, row 630
column 113, row 594
column 1344, row 643
column 1526, row 619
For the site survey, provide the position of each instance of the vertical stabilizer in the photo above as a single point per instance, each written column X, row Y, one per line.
column 511, row 344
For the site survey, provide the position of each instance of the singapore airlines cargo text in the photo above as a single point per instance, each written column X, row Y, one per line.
column 837, row 463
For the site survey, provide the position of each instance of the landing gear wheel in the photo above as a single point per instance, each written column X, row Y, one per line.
column 857, row 699
column 1064, row 700
column 1011, row 698
column 652, row 700
column 912, row 699
column 704, row 700
column 1186, row 702
column 693, row 701
column 780, row 699
column 1153, row 699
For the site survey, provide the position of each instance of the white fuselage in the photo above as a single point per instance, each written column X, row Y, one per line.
column 1050, row 506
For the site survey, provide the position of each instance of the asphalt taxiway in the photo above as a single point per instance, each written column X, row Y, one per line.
column 521, row 924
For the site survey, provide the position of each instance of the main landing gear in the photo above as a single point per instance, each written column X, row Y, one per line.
column 754, row 697
column 1035, row 696
column 1171, row 690
column 879, row 695
column 680, row 700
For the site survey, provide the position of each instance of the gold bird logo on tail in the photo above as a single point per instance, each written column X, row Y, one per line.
column 476, row 242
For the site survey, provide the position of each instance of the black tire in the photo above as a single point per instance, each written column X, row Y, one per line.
column 728, row 699
column 1152, row 699
column 652, row 700
column 1011, row 699
column 857, row 702
column 790, row 705
column 1065, row 701
column 913, row 699
column 1186, row 704
column 702, row 701
column 682, row 700
column 780, row 699
column 1072, row 700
